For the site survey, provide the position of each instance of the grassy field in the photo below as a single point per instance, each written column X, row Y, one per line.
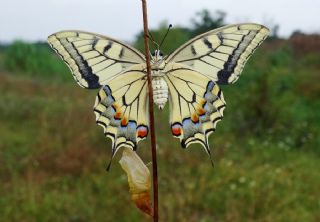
column 266, row 150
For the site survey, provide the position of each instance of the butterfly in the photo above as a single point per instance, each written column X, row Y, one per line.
column 188, row 79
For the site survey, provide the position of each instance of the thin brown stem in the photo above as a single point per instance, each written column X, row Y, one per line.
column 151, row 113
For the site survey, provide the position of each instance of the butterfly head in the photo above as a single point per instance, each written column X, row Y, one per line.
column 157, row 55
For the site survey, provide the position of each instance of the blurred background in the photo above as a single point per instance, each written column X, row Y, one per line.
column 266, row 150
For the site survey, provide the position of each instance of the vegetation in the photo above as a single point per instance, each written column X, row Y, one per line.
column 35, row 60
column 266, row 149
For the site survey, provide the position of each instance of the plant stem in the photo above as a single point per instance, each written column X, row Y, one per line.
column 151, row 113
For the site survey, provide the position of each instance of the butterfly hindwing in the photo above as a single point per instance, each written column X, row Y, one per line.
column 121, row 108
column 222, row 53
column 93, row 59
column 196, row 104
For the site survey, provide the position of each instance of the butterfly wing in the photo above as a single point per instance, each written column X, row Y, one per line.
column 93, row 59
column 121, row 108
column 196, row 104
column 101, row 62
column 222, row 53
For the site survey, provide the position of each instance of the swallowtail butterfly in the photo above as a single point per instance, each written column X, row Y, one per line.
column 188, row 79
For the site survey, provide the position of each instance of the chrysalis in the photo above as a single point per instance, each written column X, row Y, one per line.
column 139, row 180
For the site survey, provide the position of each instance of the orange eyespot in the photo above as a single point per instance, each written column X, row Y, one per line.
column 176, row 130
column 124, row 121
column 142, row 131
column 201, row 111
column 117, row 115
column 195, row 118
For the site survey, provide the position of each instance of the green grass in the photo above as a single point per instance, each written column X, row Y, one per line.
column 266, row 151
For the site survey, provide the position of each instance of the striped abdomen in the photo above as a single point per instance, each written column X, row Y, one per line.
column 160, row 91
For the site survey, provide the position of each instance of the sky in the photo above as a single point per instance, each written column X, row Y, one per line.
column 34, row 20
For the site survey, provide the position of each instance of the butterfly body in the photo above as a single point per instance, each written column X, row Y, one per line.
column 160, row 91
column 188, row 79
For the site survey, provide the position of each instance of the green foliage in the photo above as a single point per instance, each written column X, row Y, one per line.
column 205, row 21
column 34, row 59
column 267, row 103
column 311, row 60
column 53, row 158
column 2, row 47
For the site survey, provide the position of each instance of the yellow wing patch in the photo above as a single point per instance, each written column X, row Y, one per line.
column 93, row 59
column 221, row 54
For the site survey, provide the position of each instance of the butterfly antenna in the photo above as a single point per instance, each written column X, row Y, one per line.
column 153, row 41
column 170, row 26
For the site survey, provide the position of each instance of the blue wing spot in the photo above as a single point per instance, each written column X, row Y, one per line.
column 210, row 86
column 107, row 90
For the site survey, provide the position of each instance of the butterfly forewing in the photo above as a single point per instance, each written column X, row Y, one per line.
column 222, row 53
column 92, row 58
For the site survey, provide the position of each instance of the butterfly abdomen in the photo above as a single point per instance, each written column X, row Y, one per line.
column 160, row 91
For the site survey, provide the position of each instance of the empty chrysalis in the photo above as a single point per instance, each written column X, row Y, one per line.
column 139, row 180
